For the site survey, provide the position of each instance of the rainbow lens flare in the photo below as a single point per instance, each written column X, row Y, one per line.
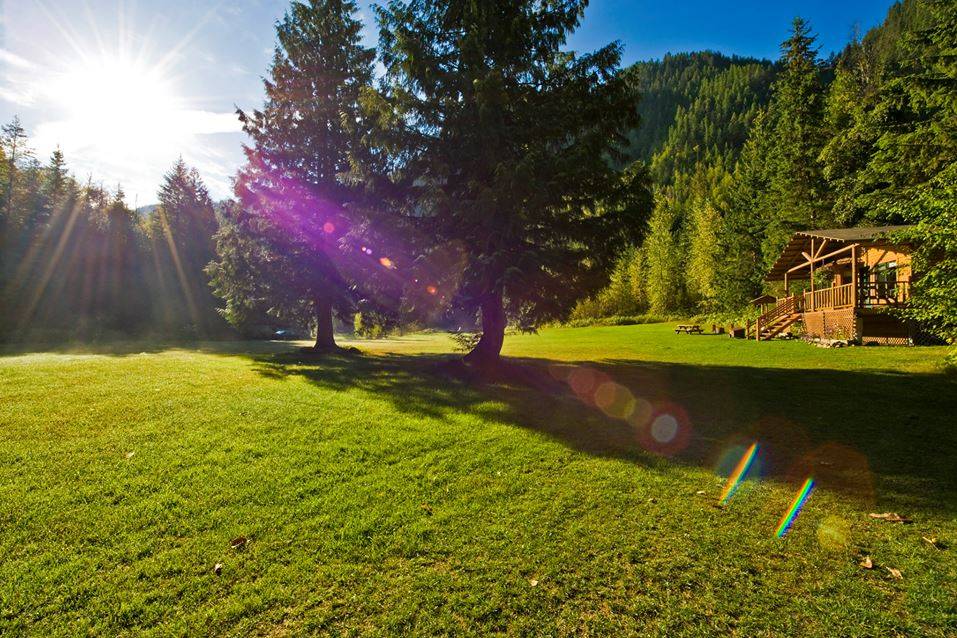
column 785, row 523
column 739, row 473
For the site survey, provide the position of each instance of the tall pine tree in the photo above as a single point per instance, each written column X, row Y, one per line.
column 798, row 196
column 298, row 203
column 915, row 162
column 181, row 232
column 504, row 143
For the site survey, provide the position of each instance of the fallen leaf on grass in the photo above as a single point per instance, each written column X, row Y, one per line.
column 896, row 573
column 218, row 569
column 933, row 542
column 700, row 492
column 867, row 563
column 890, row 517
column 238, row 543
column 129, row 455
column 533, row 583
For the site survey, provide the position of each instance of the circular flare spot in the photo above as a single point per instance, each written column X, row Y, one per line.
column 640, row 413
column 386, row 262
column 614, row 400
column 666, row 431
column 582, row 381
column 834, row 533
column 664, row 428
column 328, row 228
column 431, row 290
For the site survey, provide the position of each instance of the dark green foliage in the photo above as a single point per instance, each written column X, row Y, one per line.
column 501, row 145
column 694, row 107
column 78, row 263
column 714, row 127
column 300, row 221
column 916, row 161
column 181, row 233
column 696, row 111
column 798, row 194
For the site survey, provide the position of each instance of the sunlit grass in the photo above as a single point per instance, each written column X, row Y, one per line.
column 379, row 497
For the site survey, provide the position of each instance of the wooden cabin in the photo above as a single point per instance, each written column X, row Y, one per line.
column 841, row 283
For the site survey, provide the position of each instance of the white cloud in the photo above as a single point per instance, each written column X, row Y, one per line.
column 13, row 86
column 12, row 59
column 16, row 96
column 121, row 120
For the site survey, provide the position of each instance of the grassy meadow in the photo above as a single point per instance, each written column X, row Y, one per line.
column 377, row 494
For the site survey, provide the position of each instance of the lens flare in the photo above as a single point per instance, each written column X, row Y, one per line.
column 614, row 399
column 641, row 412
column 788, row 519
column 834, row 533
column 583, row 382
column 328, row 228
column 667, row 430
column 739, row 473
column 386, row 263
column 664, row 428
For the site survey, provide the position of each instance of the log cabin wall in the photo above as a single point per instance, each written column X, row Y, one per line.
column 871, row 257
column 875, row 255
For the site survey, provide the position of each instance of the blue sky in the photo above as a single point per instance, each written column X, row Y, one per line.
column 125, row 86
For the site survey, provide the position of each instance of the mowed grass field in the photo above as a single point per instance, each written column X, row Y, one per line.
column 377, row 495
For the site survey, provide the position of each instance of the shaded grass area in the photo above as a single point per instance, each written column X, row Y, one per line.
column 380, row 496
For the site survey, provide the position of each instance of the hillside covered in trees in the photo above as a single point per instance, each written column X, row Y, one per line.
column 743, row 153
column 456, row 200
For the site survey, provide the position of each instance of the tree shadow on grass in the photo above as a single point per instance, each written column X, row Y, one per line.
column 876, row 437
column 134, row 347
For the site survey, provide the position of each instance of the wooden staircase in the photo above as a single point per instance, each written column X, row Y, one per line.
column 778, row 319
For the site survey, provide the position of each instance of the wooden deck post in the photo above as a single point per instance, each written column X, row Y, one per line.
column 812, row 273
column 854, row 283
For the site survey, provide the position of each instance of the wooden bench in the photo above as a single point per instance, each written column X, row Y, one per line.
column 688, row 328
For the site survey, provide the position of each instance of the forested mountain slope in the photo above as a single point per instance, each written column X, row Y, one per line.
column 743, row 153
column 695, row 107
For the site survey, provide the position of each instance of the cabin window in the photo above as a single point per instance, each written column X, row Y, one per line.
column 885, row 276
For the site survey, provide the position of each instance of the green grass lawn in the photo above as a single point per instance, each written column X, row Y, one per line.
column 381, row 497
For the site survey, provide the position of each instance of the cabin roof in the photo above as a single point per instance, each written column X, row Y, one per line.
column 800, row 243
column 867, row 233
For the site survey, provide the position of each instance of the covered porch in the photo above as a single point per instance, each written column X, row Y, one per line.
column 833, row 278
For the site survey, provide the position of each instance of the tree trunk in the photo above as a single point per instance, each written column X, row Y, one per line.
column 325, row 339
column 488, row 350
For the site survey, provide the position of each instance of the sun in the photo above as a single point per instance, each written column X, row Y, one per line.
column 117, row 103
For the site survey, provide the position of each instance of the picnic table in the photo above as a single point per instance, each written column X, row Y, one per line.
column 688, row 328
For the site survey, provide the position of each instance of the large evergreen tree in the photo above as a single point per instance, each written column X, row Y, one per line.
column 915, row 161
column 797, row 196
column 181, row 233
column 504, row 144
column 298, row 205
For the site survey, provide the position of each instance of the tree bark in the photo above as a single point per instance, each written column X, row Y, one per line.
column 325, row 338
column 487, row 352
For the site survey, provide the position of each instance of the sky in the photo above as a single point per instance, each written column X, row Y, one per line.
column 124, row 87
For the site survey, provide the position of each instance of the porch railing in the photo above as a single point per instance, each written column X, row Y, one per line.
column 885, row 293
column 869, row 295
column 829, row 298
